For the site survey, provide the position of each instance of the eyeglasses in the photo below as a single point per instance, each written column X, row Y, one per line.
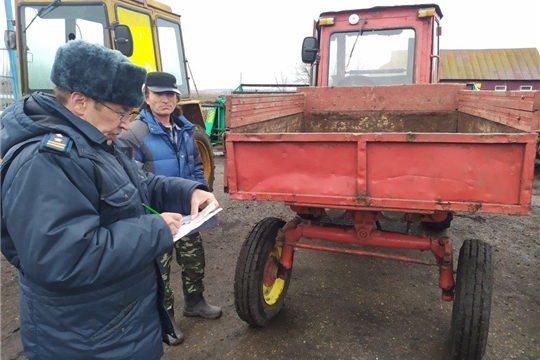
column 123, row 116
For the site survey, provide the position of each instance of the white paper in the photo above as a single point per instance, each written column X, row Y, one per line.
column 205, row 219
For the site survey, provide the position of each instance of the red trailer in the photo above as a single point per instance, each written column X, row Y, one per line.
column 345, row 158
column 370, row 158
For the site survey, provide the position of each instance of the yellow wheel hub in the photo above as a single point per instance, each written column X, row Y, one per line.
column 272, row 286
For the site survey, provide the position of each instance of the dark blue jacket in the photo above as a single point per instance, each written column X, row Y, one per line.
column 153, row 147
column 74, row 226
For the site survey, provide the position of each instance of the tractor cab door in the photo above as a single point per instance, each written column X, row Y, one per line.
column 139, row 22
column 157, row 48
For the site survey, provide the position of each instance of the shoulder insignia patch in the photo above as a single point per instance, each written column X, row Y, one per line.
column 56, row 142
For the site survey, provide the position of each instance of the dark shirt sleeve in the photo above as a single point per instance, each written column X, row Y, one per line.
column 127, row 138
column 56, row 230
column 172, row 193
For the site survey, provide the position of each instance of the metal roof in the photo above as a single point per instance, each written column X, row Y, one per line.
column 490, row 64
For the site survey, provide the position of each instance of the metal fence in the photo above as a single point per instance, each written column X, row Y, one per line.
column 7, row 89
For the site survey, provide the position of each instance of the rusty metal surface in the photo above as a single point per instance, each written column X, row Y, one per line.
column 373, row 121
column 405, row 98
column 380, row 121
column 417, row 148
column 491, row 64
column 517, row 109
column 424, row 172
column 286, row 124
column 474, row 124
column 403, row 108
column 245, row 109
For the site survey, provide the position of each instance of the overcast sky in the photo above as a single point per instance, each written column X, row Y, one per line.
column 228, row 42
column 231, row 41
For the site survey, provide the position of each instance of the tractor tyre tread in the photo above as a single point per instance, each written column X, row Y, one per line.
column 249, row 269
column 472, row 304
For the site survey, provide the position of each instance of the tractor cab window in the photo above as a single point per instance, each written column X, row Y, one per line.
column 47, row 27
column 171, row 51
column 372, row 57
column 140, row 25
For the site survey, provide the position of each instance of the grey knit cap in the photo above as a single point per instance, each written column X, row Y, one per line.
column 98, row 72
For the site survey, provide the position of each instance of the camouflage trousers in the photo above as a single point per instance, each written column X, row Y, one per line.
column 190, row 256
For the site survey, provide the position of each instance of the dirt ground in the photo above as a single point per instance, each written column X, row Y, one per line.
column 344, row 306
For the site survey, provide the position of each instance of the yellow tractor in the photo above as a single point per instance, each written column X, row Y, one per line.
column 146, row 31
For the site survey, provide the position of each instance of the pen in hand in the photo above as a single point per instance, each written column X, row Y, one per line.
column 173, row 220
column 150, row 209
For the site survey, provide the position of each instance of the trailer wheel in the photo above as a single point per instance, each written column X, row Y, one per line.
column 260, row 283
column 207, row 154
column 439, row 225
column 472, row 303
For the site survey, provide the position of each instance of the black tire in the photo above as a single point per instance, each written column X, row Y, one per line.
column 258, row 250
column 472, row 303
column 207, row 154
column 439, row 225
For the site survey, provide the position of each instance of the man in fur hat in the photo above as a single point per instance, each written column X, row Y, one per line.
column 75, row 219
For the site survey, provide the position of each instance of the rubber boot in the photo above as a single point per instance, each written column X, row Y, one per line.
column 177, row 331
column 195, row 305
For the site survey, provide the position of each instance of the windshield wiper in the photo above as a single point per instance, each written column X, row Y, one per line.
column 360, row 32
column 41, row 12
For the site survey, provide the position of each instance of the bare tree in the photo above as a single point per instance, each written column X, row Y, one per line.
column 303, row 73
column 282, row 79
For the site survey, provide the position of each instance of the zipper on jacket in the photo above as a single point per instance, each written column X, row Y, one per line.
column 173, row 139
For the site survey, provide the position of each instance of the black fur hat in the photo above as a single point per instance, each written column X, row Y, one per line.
column 98, row 72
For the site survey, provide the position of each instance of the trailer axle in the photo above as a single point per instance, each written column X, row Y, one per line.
column 291, row 234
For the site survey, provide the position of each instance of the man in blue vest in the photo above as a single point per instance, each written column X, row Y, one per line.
column 162, row 139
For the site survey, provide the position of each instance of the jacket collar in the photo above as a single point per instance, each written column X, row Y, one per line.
column 81, row 132
column 155, row 125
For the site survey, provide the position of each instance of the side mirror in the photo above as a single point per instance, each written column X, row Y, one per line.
column 123, row 40
column 9, row 39
column 309, row 50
